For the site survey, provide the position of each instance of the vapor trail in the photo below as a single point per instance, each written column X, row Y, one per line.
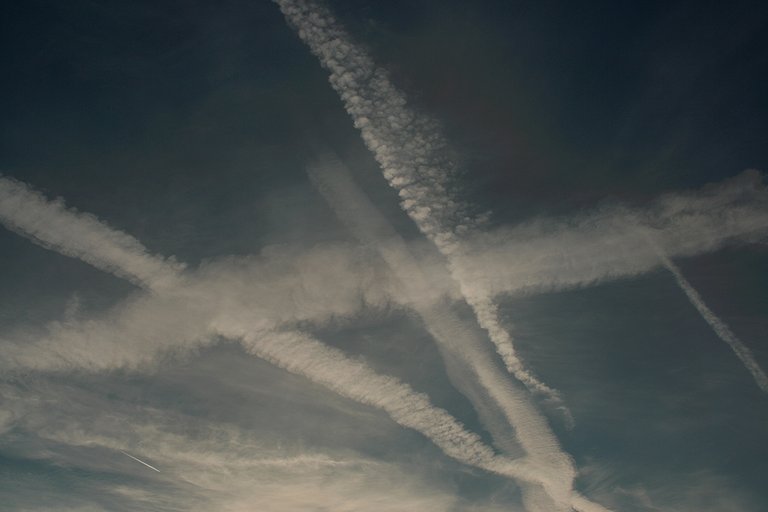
column 292, row 351
column 588, row 248
column 721, row 328
column 457, row 342
column 302, row 355
column 355, row 210
column 81, row 235
column 139, row 460
column 414, row 158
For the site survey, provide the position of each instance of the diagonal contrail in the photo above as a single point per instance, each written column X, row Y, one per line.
column 414, row 158
column 721, row 328
column 457, row 341
column 292, row 351
column 81, row 235
column 139, row 460
column 556, row 253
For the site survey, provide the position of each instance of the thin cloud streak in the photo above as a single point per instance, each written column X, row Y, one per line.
column 414, row 159
column 139, row 460
column 721, row 328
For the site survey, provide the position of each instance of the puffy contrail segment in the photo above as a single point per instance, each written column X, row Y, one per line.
column 721, row 328
column 81, row 235
column 414, row 158
column 139, row 460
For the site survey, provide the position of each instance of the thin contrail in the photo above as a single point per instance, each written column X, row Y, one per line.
column 415, row 160
column 139, row 460
column 721, row 328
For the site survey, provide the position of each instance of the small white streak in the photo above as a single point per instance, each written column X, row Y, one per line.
column 721, row 328
column 139, row 460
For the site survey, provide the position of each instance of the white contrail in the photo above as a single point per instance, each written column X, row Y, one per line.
column 413, row 156
column 81, row 235
column 452, row 335
column 415, row 161
column 322, row 364
column 721, row 328
column 543, row 254
column 300, row 354
column 587, row 248
column 139, row 460
column 354, row 209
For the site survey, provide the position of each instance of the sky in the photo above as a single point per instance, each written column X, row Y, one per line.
column 294, row 255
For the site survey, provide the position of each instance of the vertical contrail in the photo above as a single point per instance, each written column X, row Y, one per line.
column 414, row 158
column 721, row 328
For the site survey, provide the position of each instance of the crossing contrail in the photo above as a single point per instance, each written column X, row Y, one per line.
column 546, row 254
column 457, row 340
column 53, row 225
column 139, row 460
column 292, row 351
column 415, row 160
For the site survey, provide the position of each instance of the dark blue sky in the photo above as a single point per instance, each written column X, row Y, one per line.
column 190, row 126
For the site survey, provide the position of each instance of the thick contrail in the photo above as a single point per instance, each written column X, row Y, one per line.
column 302, row 355
column 584, row 249
column 543, row 254
column 454, row 338
column 355, row 210
column 320, row 363
column 139, row 460
column 83, row 236
column 293, row 351
column 414, row 158
column 721, row 328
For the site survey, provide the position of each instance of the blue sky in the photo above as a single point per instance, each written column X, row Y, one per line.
column 383, row 256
